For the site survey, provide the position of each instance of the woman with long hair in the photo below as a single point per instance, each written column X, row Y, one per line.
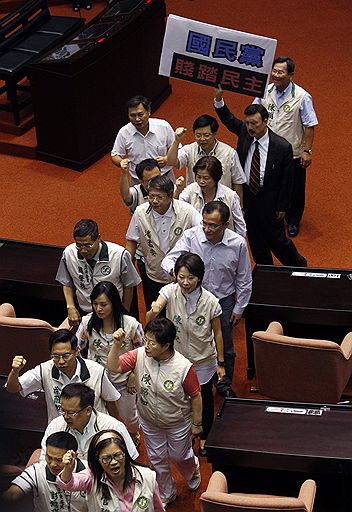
column 196, row 315
column 113, row 481
column 96, row 330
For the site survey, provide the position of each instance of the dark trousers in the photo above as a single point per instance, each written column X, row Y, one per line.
column 295, row 212
column 151, row 288
column 208, row 407
column 266, row 234
column 227, row 305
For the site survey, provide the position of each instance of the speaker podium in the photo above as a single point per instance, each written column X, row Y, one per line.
column 80, row 90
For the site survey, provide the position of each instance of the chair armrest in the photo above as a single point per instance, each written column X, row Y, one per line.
column 7, row 309
column 217, row 483
column 346, row 345
column 307, row 494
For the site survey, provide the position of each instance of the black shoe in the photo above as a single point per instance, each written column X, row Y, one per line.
column 88, row 6
column 293, row 230
column 202, row 452
column 76, row 7
column 229, row 393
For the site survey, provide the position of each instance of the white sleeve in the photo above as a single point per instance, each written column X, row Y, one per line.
column 131, row 447
column 27, row 480
column 238, row 176
column 108, row 391
column 165, row 292
column 196, row 218
column 119, row 148
column 185, row 195
column 133, row 231
column 181, row 247
column 183, row 156
column 31, row 381
column 237, row 216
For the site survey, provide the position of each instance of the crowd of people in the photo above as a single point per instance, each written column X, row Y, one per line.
column 107, row 379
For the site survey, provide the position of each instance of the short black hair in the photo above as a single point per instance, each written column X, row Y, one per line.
column 163, row 330
column 63, row 336
column 85, row 393
column 162, row 184
column 210, row 164
column 290, row 63
column 136, row 100
column 255, row 108
column 206, row 120
column 146, row 165
column 62, row 440
column 86, row 227
column 193, row 263
column 218, row 206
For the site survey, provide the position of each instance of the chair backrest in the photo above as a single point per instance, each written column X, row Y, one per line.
column 299, row 369
column 22, row 22
column 23, row 336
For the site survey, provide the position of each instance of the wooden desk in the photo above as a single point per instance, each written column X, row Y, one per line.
column 22, row 423
column 310, row 307
column 27, row 280
column 247, row 442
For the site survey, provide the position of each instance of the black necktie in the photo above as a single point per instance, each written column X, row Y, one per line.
column 254, row 175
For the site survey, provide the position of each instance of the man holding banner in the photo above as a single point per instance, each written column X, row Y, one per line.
column 267, row 161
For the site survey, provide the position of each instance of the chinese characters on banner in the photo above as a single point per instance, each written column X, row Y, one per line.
column 211, row 55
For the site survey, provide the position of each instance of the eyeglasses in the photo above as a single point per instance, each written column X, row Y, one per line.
column 211, row 227
column 151, row 343
column 85, row 246
column 107, row 459
column 68, row 413
column 158, row 198
column 65, row 357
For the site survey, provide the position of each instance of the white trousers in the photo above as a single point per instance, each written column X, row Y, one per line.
column 169, row 444
column 128, row 409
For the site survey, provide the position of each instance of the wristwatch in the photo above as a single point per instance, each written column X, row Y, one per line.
column 221, row 364
column 308, row 151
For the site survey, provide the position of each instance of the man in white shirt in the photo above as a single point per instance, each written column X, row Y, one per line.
column 143, row 137
column 64, row 367
column 291, row 115
column 205, row 130
column 227, row 273
column 87, row 262
column 156, row 226
column 79, row 418
column 39, row 480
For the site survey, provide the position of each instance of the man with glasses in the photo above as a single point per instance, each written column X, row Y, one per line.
column 87, row 262
column 291, row 115
column 156, row 226
column 227, row 273
column 39, row 479
column 79, row 417
column 205, row 129
column 64, row 367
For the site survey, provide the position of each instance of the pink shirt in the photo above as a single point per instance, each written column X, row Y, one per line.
column 190, row 384
column 83, row 481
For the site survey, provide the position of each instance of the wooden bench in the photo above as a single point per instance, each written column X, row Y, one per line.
column 26, row 34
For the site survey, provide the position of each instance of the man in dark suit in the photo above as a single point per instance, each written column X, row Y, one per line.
column 267, row 161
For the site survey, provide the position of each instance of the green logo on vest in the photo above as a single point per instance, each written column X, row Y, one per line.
column 200, row 320
column 178, row 231
column 168, row 385
column 142, row 502
column 287, row 108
